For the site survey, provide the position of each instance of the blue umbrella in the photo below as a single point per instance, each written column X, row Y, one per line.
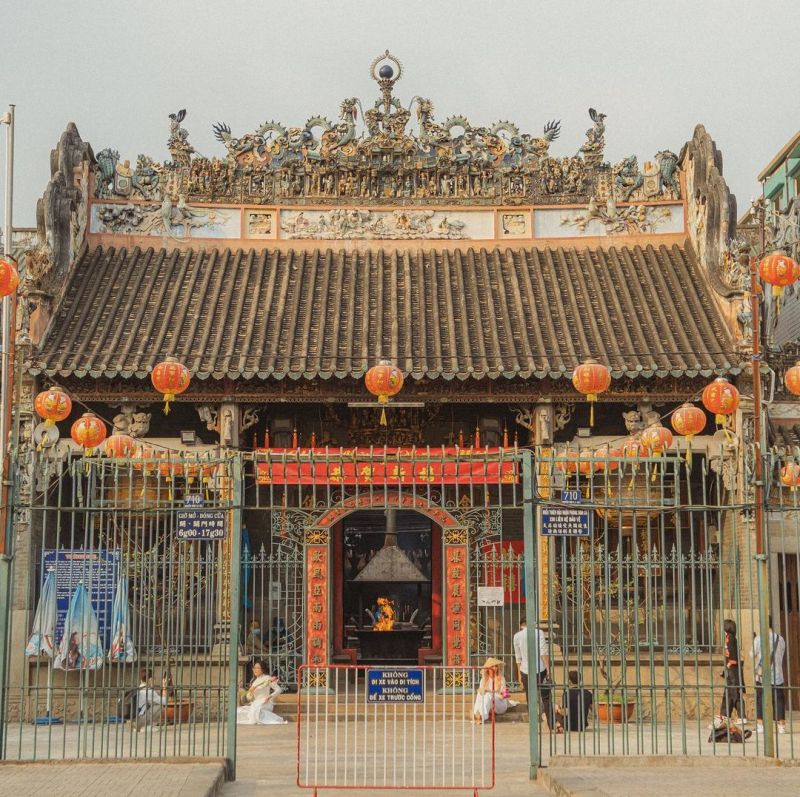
column 44, row 621
column 80, row 647
column 247, row 566
column 122, row 648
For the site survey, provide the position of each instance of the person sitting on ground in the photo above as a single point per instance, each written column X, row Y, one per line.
column 258, row 700
column 254, row 643
column 492, row 691
column 148, row 702
column 577, row 702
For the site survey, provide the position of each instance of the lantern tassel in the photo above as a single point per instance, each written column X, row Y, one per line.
column 167, row 398
column 383, row 417
column 383, row 400
column 688, row 453
column 591, row 413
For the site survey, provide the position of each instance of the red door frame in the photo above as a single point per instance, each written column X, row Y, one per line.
column 341, row 652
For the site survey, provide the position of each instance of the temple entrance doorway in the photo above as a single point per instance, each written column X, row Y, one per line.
column 387, row 586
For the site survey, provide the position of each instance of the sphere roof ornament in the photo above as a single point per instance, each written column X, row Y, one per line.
column 386, row 69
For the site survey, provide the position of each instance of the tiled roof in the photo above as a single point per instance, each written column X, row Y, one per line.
column 320, row 313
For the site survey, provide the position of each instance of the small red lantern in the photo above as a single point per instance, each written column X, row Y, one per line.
column 88, row 432
column 52, row 405
column 688, row 421
column 119, row 446
column 721, row 398
column 591, row 378
column 143, row 458
column 657, row 438
column 792, row 379
column 170, row 377
column 607, row 459
column 790, row 475
column 9, row 276
column 779, row 270
column 384, row 380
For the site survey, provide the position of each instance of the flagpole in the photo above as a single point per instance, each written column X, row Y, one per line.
column 5, row 337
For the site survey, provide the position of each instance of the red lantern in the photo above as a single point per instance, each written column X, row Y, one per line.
column 143, row 457
column 657, row 438
column 792, row 379
column 384, row 380
column 170, row 378
column 88, row 432
column 119, row 446
column 688, row 421
column 52, row 405
column 790, row 475
column 633, row 448
column 591, row 378
column 607, row 458
column 779, row 270
column 9, row 276
column 721, row 398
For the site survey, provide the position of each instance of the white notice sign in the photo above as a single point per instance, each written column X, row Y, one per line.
column 490, row 596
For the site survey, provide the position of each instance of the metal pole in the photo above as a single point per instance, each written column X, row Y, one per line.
column 5, row 338
column 5, row 342
column 233, row 632
column 762, row 570
column 531, row 608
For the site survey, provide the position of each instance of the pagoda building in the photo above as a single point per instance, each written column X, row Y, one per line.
column 478, row 259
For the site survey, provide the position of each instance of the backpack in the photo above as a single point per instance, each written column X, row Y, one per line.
column 126, row 705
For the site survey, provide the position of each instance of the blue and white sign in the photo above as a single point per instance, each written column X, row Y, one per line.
column 201, row 524
column 571, row 497
column 563, row 521
column 98, row 570
column 395, row 685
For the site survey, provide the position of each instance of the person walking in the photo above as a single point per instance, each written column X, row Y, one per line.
column 777, row 650
column 734, row 685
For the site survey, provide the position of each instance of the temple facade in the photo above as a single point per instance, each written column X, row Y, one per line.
column 479, row 259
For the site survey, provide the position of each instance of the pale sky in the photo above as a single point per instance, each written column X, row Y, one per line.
column 656, row 69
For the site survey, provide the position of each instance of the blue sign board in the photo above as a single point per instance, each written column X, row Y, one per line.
column 395, row 685
column 570, row 496
column 563, row 521
column 99, row 572
column 201, row 524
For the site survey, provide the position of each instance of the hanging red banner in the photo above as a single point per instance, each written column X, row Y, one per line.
column 317, row 603
column 456, row 603
column 389, row 466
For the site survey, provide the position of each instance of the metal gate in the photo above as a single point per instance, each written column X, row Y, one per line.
column 648, row 596
column 126, row 605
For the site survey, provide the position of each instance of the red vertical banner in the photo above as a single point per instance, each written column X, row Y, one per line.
column 317, row 636
column 456, row 606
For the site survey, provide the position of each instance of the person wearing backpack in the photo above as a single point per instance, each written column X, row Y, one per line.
column 777, row 650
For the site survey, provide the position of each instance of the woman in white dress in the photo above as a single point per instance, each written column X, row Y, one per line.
column 258, row 700
column 492, row 691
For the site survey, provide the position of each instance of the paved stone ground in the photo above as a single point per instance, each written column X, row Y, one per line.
column 681, row 777
column 89, row 779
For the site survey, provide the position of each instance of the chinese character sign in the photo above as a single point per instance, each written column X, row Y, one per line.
column 317, row 603
column 457, row 618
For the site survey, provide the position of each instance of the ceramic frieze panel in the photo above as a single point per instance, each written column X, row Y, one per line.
column 178, row 221
column 397, row 224
column 608, row 219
